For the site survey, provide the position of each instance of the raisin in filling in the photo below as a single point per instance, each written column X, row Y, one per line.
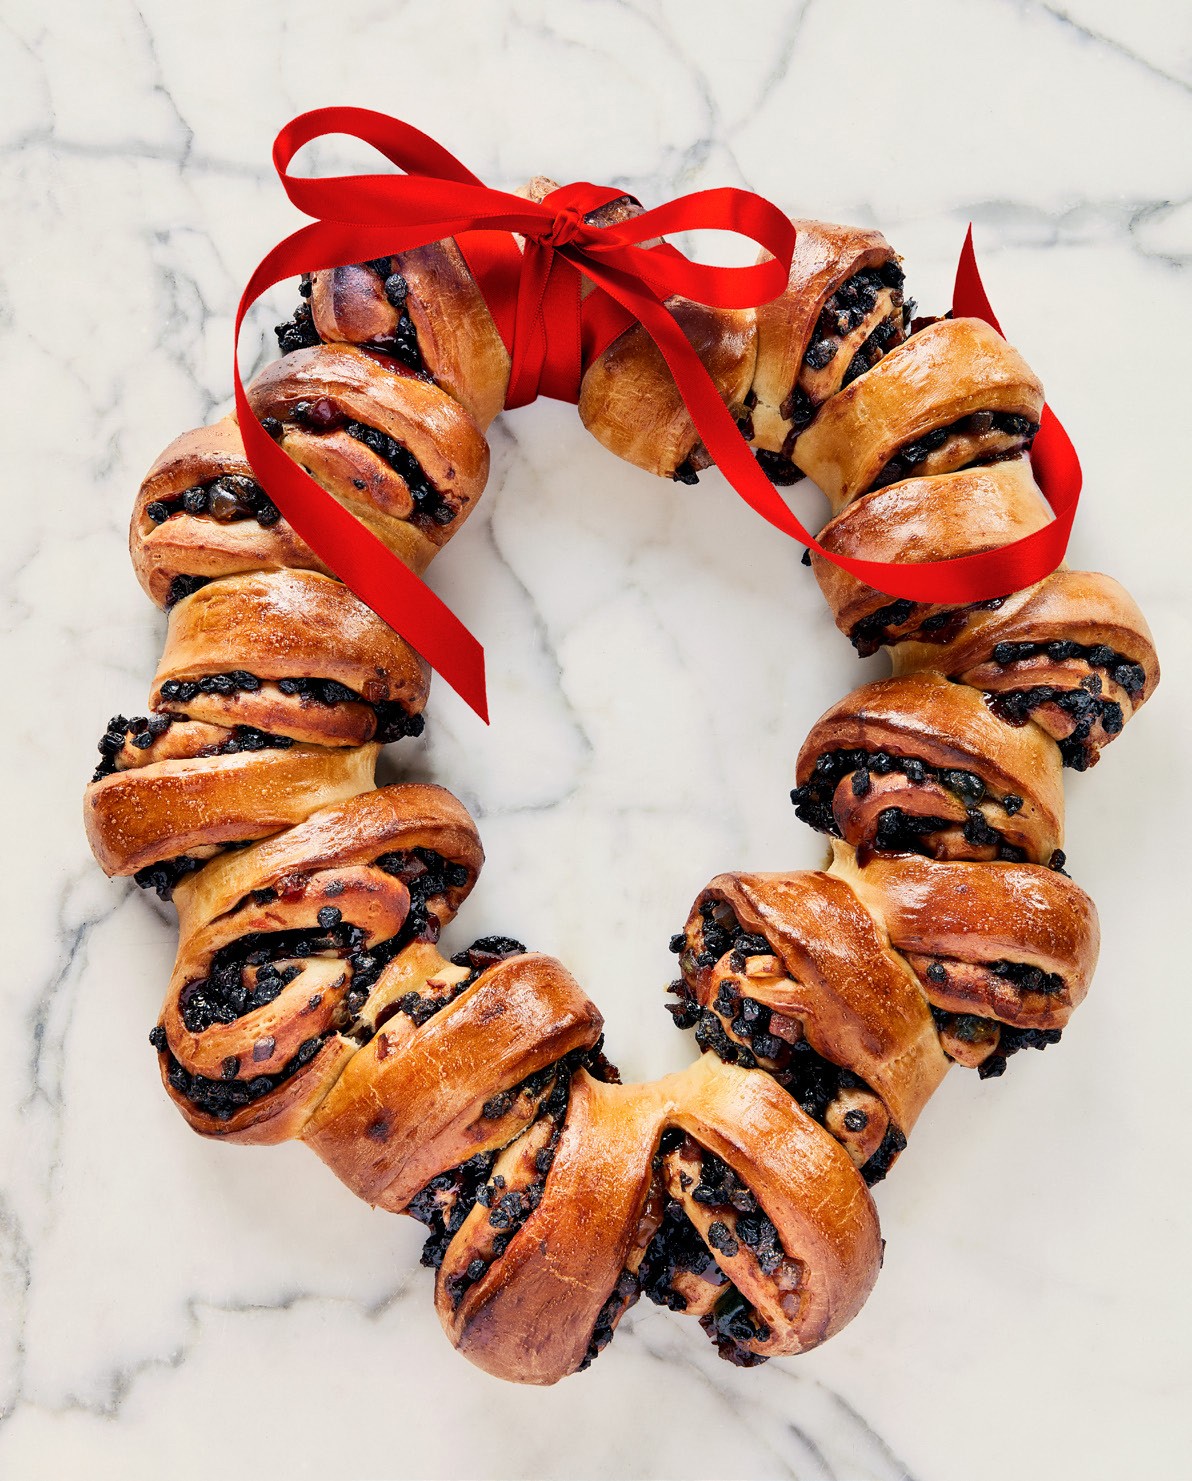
column 228, row 499
column 624, row 1295
column 848, row 308
column 223, row 996
column 420, row 1008
column 428, row 875
column 163, row 877
column 402, row 343
column 394, row 721
column 1022, row 975
column 1085, row 705
column 977, row 424
column 143, row 730
column 509, row 1207
column 678, row 1248
column 778, row 468
column 899, row 831
column 299, row 332
column 430, row 506
column 971, row 1026
column 446, row 1201
column 882, row 627
column 812, row 1081
column 221, row 1099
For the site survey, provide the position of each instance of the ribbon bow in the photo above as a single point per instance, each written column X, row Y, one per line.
column 552, row 331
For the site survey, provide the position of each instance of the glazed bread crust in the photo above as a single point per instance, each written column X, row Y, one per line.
column 309, row 998
column 947, row 371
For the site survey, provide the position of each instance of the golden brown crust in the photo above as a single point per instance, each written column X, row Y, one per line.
column 334, row 880
column 975, row 913
column 855, row 1000
column 288, row 624
column 459, row 343
column 411, row 1104
column 350, row 386
column 825, row 257
column 393, row 819
column 926, row 519
column 142, row 815
column 530, row 1316
column 630, row 403
column 947, row 371
column 948, row 726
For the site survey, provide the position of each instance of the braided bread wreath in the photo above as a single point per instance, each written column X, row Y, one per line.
column 309, row 999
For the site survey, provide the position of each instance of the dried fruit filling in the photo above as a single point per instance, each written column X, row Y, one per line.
column 740, row 1030
column 394, row 721
column 981, row 437
column 898, row 831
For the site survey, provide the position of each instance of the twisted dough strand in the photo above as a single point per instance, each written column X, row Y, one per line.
column 309, row 998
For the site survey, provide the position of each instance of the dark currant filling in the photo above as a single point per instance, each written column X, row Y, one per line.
column 221, row 1099
column 624, row 1294
column 143, row 730
column 299, row 332
column 485, row 952
column 812, row 1081
column 324, row 415
column 227, row 499
column 223, row 996
column 850, row 306
column 899, row 831
column 1128, row 675
column 1023, row 976
column 430, row 507
column 1086, row 705
column 427, row 875
column 402, row 344
column 976, row 424
column 678, row 1247
column 881, row 627
column 446, row 1200
column 778, row 468
column 163, row 877
column 185, row 586
column 508, row 1208
column 972, row 1027
column 394, row 721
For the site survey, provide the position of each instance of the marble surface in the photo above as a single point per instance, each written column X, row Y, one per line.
column 656, row 656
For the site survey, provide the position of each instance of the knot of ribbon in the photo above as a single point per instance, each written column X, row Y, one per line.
column 567, row 225
column 553, row 329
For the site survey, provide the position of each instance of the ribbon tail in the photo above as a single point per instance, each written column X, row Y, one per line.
column 338, row 538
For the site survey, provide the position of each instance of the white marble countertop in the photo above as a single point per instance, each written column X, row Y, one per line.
column 169, row 1307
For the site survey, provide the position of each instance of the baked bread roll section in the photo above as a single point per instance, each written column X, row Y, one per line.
column 311, row 998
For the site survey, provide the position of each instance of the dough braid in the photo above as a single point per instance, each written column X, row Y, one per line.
column 309, row 999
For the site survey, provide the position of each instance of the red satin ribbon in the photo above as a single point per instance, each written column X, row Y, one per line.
column 535, row 300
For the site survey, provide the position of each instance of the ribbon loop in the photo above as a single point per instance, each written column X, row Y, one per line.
column 552, row 328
